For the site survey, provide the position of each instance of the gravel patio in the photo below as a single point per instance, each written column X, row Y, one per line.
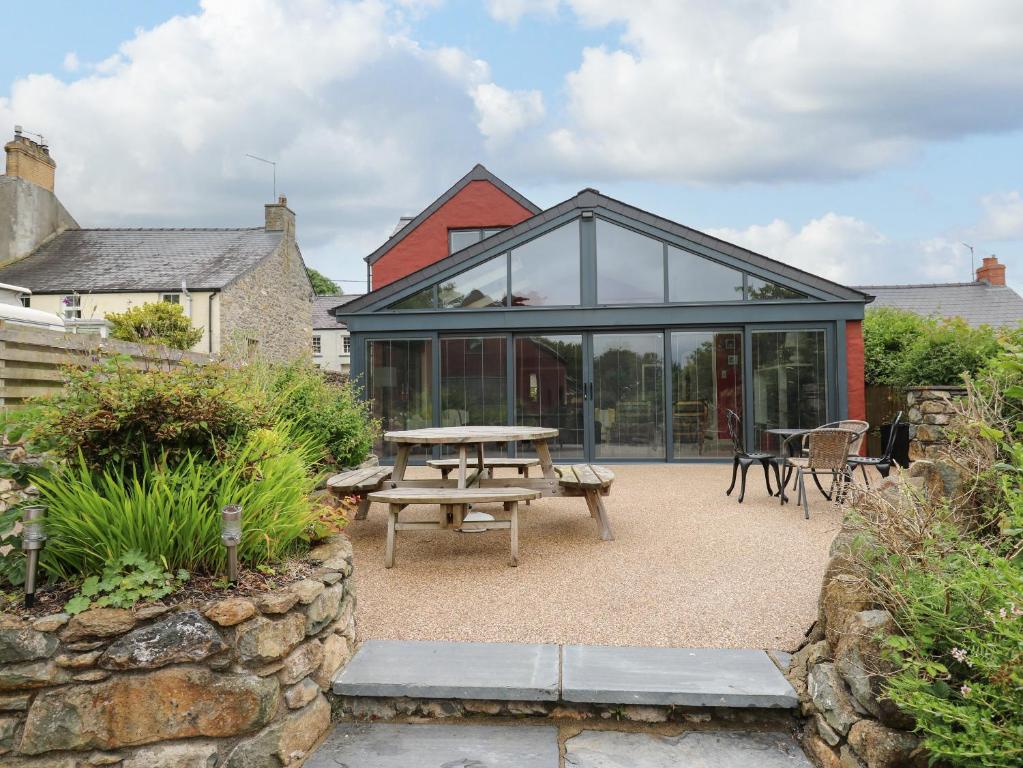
column 689, row 567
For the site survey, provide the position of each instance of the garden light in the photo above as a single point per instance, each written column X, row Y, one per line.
column 231, row 535
column 33, row 535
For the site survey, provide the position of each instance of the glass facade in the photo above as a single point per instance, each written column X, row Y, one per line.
column 694, row 278
column 790, row 382
column 482, row 286
column 706, row 382
column 545, row 272
column 630, row 266
column 474, row 382
column 762, row 290
column 400, row 385
column 628, row 395
column 549, row 390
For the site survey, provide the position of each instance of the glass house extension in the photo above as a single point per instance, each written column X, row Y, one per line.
column 629, row 333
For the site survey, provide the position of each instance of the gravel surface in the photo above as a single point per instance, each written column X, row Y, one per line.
column 689, row 567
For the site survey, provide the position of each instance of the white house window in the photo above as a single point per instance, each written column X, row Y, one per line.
column 317, row 346
column 346, row 345
column 171, row 298
column 72, row 306
column 463, row 238
column 26, row 300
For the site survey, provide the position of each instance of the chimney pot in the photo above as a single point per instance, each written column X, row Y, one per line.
column 991, row 271
column 30, row 160
column 279, row 217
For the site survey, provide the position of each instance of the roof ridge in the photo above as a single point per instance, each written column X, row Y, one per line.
column 927, row 285
column 164, row 229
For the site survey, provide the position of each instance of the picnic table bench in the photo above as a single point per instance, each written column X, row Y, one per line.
column 592, row 482
column 447, row 466
column 453, row 503
column 359, row 483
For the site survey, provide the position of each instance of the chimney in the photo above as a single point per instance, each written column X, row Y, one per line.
column 30, row 160
column 280, row 218
column 991, row 272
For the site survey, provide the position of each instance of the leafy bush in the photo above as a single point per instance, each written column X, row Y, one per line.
column 330, row 417
column 111, row 412
column 126, row 581
column 170, row 512
column 155, row 323
column 903, row 349
column 322, row 286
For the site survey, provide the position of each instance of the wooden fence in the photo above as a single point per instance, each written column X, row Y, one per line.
column 31, row 360
column 883, row 402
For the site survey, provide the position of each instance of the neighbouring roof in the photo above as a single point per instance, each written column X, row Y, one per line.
column 979, row 303
column 589, row 199
column 478, row 173
column 144, row 260
column 322, row 318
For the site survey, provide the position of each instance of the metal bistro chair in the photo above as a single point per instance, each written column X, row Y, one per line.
column 883, row 463
column 746, row 459
column 827, row 453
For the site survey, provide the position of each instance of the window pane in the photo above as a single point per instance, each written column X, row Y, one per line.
column 545, row 271
column 762, row 290
column 628, row 395
column 474, row 384
column 789, row 382
column 463, row 238
column 694, row 278
column 630, row 266
column 400, row 376
column 488, row 232
column 706, row 371
column 482, row 286
column 421, row 300
column 549, row 391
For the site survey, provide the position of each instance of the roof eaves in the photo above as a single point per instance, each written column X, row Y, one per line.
column 478, row 173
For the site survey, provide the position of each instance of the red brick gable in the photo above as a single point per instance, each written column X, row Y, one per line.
column 479, row 204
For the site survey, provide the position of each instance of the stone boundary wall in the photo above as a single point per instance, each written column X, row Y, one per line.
column 930, row 409
column 237, row 682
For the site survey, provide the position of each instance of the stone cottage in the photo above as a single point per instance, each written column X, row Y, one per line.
column 246, row 288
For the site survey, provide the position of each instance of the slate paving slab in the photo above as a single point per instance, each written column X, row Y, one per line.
column 698, row 677
column 696, row 749
column 383, row 745
column 440, row 670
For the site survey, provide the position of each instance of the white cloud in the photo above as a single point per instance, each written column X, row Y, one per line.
column 503, row 113
column 510, row 11
column 71, row 62
column 730, row 91
column 360, row 118
column 1003, row 217
column 852, row 252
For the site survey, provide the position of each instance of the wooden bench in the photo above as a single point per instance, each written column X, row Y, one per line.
column 359, row 483
column 447, row 466
column 453, row 504
column 592, row 482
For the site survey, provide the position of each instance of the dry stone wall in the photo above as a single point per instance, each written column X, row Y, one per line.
column 930, row 410
column 238, row 682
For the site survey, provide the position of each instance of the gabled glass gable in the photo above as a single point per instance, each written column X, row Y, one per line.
column 631, row 269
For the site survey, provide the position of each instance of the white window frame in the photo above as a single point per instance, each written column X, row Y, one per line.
column 171, row 298
column 346, row 345
column 317, row 345
column 72, row 304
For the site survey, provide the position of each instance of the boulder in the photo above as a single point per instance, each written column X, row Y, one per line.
column 307, row 590
column 127, row 710
column 31, row 674
column 229, row 612
column 860, row 661
column 98, row 622
column 285, row 742
column 881, row 747
column 842, row 595
column 301, row 662
column 276, row 602
column 831, row 698
column 262, row 640
column 331, row 548
column 335, row 656
column 826, row 731
column 301, row 693
column 19, row 642
column 802, row 662
column 179, row 638
column 51, row 622
column 192, row 754
column 819, row 751
column 324, row 609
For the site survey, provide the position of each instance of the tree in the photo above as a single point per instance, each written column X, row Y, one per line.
column 322, row 286
column 156, row 323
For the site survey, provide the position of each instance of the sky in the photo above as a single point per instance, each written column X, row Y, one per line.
column 863, row 140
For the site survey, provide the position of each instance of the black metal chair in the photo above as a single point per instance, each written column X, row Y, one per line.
column 883, row 464
column 745, row 459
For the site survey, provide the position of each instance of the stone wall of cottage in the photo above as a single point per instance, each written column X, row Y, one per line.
column 929, row 411
column 839, row 671
column 234, row 682
column 267, row 313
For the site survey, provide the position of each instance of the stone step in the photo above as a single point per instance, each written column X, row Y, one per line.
column 514, row 745
column 439, row 670
column 388, row 745
column 692, row 677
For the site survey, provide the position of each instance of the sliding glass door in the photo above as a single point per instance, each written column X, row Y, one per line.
column 400, row 385
column 628, row 395
column 549, row 391
column 790, row 382
column 474, row 382
column 706, row 383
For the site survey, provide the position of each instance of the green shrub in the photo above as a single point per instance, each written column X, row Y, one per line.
column 330, row 417
column 322, row 286
column 129, row 579
column 111, row 412
column 155, row 323
column 887, row 335
column 170, row 512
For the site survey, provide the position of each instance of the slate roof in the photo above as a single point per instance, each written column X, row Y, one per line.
column 588, row 199
column 978, row 303
column 322, row 319
column 478, row 173
column 144, row 260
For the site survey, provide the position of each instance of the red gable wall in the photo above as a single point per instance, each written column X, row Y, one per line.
column 479, row 204
column 854, row 363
